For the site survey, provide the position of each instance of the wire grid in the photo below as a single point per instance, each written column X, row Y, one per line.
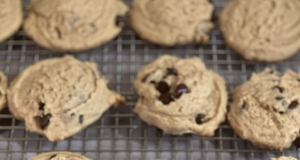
column 120, row 134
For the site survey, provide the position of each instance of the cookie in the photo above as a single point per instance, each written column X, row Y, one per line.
column 3, row 90
column 180, row 96
column 284, row 158
column 74, row 25
column 11, row 17
column 267, row 30
column 59, row 156
column 58, row 97
column 172, row 22
column 265, row 109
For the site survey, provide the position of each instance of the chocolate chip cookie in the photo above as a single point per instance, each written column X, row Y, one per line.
column 267, row 30
column 284, row 158
column 59, row 156
column 172, row 22
column 3, row 89
column 180, row 96
column 265, row 109
column 74, row 25
column 11, row 17
column 58, row 97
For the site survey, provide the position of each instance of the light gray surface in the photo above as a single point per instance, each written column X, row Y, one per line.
column 120, row 134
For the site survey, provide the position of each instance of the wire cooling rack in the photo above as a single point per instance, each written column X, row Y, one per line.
column 120, row 134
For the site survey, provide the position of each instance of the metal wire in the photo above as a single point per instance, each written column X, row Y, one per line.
column 120, row 134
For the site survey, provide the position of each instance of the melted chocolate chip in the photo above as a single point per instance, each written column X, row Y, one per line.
column 163, row 87
column 81, row 119
column 54, row 155
column 73, row 114
column 41, row 106
column 182, row 88
column 199, row 118
column 293, row 105
column 166, row 98
column 279, row 88
column 120, row 20
column 297, row 142
column 152, row 82
column 278, row 98
column 44, row 120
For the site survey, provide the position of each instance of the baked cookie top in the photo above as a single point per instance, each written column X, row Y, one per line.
column 180, row 96
column 265, row 109
column 11, row 17
column 59, row 156
column 267, row 30
column 74, row 25
column 58, row 97
column 172, row 22
column 284, row 158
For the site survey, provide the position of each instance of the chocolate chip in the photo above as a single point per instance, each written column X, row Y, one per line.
column 293, row 105
column 41, row 106
column 297, row 142
column 199, row 118
column 73, row 114
column 120, row 20
column 298, row 79
column 278, row 98
column 166, row 98
column 279, row 88
column 54, row 155
column 163, row 87
column 182, row 88
column 170, row 71
column 81, row 119
column 44, row 120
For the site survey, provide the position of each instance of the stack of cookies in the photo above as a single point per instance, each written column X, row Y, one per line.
column 59, row 97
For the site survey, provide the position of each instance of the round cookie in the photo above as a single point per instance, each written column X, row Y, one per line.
column 284, row 158
column 180, row 96
column 58, row 97
column 59, row 156
column 3, row 89
column 265, row 109
column 172, row 22
column 11, row 17
column 74, row 25
column 267, row 30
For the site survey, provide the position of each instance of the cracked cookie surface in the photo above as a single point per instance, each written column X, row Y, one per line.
column 59, row 156
column 11, row 17
column 180, row 96
column 265, row 109
column 58, row 97
column 266, row 30
column 172, row 22
column 74, row 25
